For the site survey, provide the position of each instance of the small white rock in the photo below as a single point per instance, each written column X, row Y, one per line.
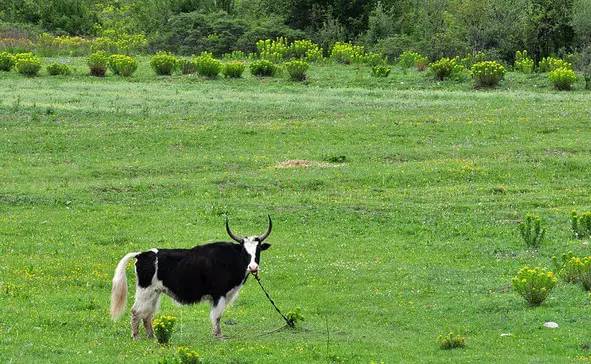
column 551, row 325
column 506, row 334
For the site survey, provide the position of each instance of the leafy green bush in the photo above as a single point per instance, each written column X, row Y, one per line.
column 451, row 341
column 7, row 61
column 188, row 356
column 444, row 68
column 55, row 69
column 233, row 69
column 272, row 50
column 263, row 68
column 534, row 284
column 410, row 59
column 487, row 73
column 122, row 65
column 531, row 231
column 234, row 56
column 187, row 66
column 373, row 59
column 562, row 78
column 347, row 53
column 27, row 64
column 523, row 63
column 548, row 64
column 295, row 316
column 380, row 71
column 163, row 328
column 305, row 49
column 584, row 270
column 581, row 224
column 163, row 63
column 297, row 69
column 207, row 66
column 97, row 63
column 567, row 268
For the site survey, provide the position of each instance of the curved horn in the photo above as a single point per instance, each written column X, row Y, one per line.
column 266, row 235
column 234, row 237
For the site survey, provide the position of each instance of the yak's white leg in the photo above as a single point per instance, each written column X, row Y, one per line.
column 145, row 305
column 215, row 315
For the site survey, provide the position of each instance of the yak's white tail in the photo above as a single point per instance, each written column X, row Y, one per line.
column 119, row 291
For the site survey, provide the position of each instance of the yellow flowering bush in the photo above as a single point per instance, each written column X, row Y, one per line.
column 487, row 73
column 523, row 63
column 234, row 69
column 188, row 356
column 568, row 267
column 562, row 78
column 451, row 341
column 164, row 63
column 581, row 224
column 27, row 64
column 534, row 284
column 7, row 61
column 444, row 68
column 122, row 65
column 163, row 327
column 305, row 49
column 347, row 53
column 272, row 50
column 297, row 69
column 380, row 71
column 548, row 64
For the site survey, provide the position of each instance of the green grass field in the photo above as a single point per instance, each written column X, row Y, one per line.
column 413, row 235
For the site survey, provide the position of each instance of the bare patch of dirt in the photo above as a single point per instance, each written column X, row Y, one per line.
column 303, row 163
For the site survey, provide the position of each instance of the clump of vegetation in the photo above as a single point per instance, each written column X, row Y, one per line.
column 163, row 63
column 548, row 64
column 97, row 63
column 234, row 69
column 567, row 267
column 523, row 63
column 56, row 69
column 471, row 59
column 584, row 269
column 294, row 317
column 7, row 61
column 410, row 59
column 374, row 59
column 562, row 78
column 163, row 328
column 380, row 71
column 188, row 356
column 187, row 66
column 531, row 231
column 451, row 341
column 263, row 68
column 272, row 50
column 534, row 284
column 446, row 68
column 207, row 66
column 487, row 73
column 27, row 64
column 234, row 56
column 297, row 69
column 347, row 53
column 305, row 49
column 581, row 224
column 122, row 65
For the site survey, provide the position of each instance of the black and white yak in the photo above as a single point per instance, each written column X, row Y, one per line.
column 214, row 272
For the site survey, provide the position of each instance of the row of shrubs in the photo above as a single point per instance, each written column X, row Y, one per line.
column 533, row 233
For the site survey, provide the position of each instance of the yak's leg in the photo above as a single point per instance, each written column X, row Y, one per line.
column 217, row 309
column 144, row 307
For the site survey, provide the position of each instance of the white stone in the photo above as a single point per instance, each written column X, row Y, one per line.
column 506, row 334
column 551, row 325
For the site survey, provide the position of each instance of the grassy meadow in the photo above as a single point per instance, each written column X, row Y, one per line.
column 397, row 225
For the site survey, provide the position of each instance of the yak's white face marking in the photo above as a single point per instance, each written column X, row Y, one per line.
column 250, row 244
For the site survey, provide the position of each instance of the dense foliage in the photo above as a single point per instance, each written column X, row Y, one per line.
column 56, row 69
column 27, row 64
column 97, row 63
column 562, row 78
column 297, row 69
column 233, row 69
column 6, row 61
column 207, row 66
column 122, row 65
column 263, row 68
column 534, row 284
column 163, row 63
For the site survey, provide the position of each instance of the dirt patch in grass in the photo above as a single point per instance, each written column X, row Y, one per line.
column 304, row 163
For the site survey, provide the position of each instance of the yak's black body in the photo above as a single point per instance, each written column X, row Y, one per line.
column 189, row 275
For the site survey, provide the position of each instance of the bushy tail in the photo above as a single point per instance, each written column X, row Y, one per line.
column 119, row 291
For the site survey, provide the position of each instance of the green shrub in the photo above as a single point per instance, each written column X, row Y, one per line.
column 163, row 63
column 27, row 64
column 567, row 268
column 487, row 73
column 451, row 341
column 272, row 50
column 584, row 270
column 548, row 64
column 295, row 316
column 233, row 69
column 444, row 68
column 188, row 356
column 422, row 63
column 122, row 65
column 297, row 69
column 581, row 224
column 374, row 59
column 410, row 59
column 380, row 71
column 531, row 231
column 562, row 78
column 207, row 66
column 305, row 49
column 97, row 63
column 55, row 69
column 523, row 63
column 163, row 328
column 7, row 61
column 263, row 68
column 534, row 284
column 347, row 53
column 235, row 56
column 187, row 66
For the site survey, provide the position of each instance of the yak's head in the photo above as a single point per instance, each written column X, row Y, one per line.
column 253, row 245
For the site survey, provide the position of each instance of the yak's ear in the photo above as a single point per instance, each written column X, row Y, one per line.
column 265, row 246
